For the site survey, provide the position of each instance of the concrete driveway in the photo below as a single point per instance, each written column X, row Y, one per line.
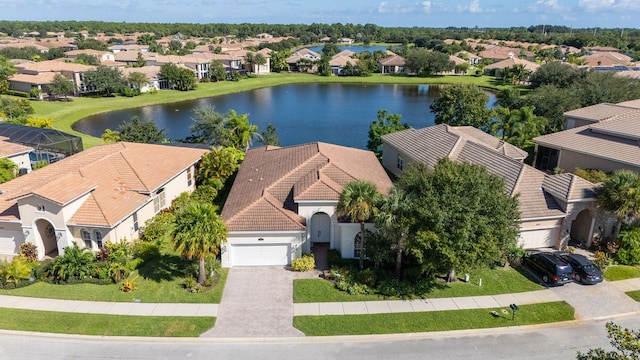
column 257, row 302
column 596, row 301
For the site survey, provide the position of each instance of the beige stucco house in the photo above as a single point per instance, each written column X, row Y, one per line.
column 17, row 153
column 283, row 201
column 603, row 137
column 553, row 208
column 102, row 194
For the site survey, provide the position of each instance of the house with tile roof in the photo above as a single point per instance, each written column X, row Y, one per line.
column 393, row 64
column 39, row 74
column 603, row 136
column 553, row 208
column 102, row 194
column 17, row 153
column 283, row 202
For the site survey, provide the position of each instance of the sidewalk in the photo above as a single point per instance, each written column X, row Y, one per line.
column 420, row 305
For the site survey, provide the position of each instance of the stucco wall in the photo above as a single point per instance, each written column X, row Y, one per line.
column 22, row 160
column 569, row 160
column 11, row 237
column 347, row 233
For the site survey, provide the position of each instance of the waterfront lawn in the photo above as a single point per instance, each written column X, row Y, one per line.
column 621, row 272
column 65, row 113
column 431, row 321
column 104, row 325
column 150, row 290
column 494, row 281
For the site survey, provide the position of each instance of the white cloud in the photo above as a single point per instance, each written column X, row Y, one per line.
column 426, row 6
column 382, row 7
column 385, row 8
column 594, row 5
column 473, row 7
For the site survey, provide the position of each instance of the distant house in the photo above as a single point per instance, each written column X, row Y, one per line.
column 603, row 137
column 338, row 62
column 102, row 56
column 392, row 65
column 471, row 58
column 41, row 73
column 156, row 81
column 497, row 53
column 100, row 195
column 494, row 69
column 554, row 208
column 283, row 202
column 130, row 58
column 128, row 47
column 606, row 59
column 303, row 60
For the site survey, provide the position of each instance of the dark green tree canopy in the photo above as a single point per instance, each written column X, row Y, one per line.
column 385, row 124
column 427, row 62
column 141, row 132
column 104, row 80
column 558, row 74
column 462, row 105
column 61, row 86
column 462, row 217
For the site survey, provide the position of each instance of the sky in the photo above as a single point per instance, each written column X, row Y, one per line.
column 388, row 13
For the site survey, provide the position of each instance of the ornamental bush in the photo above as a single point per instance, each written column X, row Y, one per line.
column 305, row 263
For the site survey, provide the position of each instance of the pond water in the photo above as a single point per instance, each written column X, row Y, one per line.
column 333, row 113
column 355, row 48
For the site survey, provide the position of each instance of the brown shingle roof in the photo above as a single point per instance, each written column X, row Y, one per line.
column 599, row 112
column 271, row 180
column 119, row 178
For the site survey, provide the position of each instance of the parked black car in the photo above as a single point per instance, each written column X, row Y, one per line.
column 585, row 271
column 551, row 269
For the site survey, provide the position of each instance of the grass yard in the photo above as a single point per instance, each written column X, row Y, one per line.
column 621, row 272
column 104, row 325
column 65, row 114
column 494, row 281
column 431, row 321
column 150, row 290
column 635, row 295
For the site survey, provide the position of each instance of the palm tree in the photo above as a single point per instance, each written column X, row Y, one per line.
column 394, row 221
column 259, row 60
column 620, row 194
column 242, row 131
column 358, row 201
column 250, row 59
column 198, row 231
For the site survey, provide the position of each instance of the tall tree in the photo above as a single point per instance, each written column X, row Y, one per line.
column 141, row 132
column 358, row 201
column 61, row 86
column 8, row 170
column 137, row 79
column 259, row 60
column 217, row 71
column 6, row 70
column 462, row 218
column 462, row 105
column 218, row 165
column 427, row 62
column 394, row 221
column 620, row 194
column 385, row 124
column 208, row 127
column 269, row 136
column 87, row 59
column 517, row 127
column 198, row 232
column 241, row 130
column 105, row 80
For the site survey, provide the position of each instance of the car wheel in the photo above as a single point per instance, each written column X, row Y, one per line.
column 545, row 279
column 578, row 278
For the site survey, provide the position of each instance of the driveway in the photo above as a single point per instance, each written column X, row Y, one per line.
column 257, row 302
column 595, row 301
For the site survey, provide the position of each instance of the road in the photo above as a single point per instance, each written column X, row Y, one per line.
column 556, row 341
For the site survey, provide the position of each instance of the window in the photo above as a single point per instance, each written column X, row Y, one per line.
column 400, row 163
column 159, row 201
column 357, row 245
column 189, row 177
column 98, row 236
column 546, row 159
column 86, row 237
column 40, row 208
column 135, row 221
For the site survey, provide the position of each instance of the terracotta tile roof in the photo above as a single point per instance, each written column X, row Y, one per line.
column 597, row 139
column 39, row 79
column 53, row 66
column 133, row 55
column 599, row 112
column 394, row 60
column 152, row 72
column 119, row 178
column 510, row 62
column 271, row 180
column 8, row 148
column 468, row 144
column 342, row 61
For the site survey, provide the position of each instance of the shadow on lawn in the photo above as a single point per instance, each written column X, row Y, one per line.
column 166, row 267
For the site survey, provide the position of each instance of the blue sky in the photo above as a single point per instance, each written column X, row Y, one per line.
column 428, row 13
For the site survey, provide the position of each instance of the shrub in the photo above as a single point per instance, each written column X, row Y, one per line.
column 334, row 258
column 14, row 271
column 43, row 269
column 146, row 250
column 129, row 285
column 210, row 281
column 190, row 282
column 629, row 251
column 601, row 260
column 75, row 263
column 352, row 288
column 367, row 277
column 120, row 251
column 593, row 175
column 29, row 251
column 305, row 263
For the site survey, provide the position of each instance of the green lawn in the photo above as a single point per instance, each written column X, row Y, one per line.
column 635, row 295
column 431, row 321
column 105, row 325
column 495, row 281
column 621, row 272
column 150, row 290
column 67, row 113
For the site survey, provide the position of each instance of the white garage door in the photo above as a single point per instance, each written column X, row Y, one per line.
column 539, row 238
column 260, row 255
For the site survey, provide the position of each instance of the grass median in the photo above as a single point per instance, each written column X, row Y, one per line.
column 65, row 113
column 494, row 281
column 432, row 321
column 104, row 325
column 621, row 272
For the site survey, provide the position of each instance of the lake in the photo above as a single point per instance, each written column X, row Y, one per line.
column 333, row 113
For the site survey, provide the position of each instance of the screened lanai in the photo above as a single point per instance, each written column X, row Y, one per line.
column 49, row 144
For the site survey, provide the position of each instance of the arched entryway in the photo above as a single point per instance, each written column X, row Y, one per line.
column 45, row 237
column 320, row 238
column 581, row 228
